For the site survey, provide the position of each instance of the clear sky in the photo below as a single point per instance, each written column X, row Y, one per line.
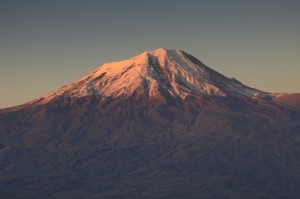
column 47, row 44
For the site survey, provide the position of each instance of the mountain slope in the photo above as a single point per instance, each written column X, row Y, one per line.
column 159, row 125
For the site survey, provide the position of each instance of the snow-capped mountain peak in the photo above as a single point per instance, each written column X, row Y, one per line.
column 154, row 73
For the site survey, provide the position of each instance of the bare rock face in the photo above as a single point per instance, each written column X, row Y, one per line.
column 159, row 125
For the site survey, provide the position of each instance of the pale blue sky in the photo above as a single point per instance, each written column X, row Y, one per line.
column 47, row 44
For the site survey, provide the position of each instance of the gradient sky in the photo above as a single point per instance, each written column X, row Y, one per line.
column 47, row 44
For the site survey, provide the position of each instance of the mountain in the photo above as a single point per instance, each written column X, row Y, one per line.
column 159, row 125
